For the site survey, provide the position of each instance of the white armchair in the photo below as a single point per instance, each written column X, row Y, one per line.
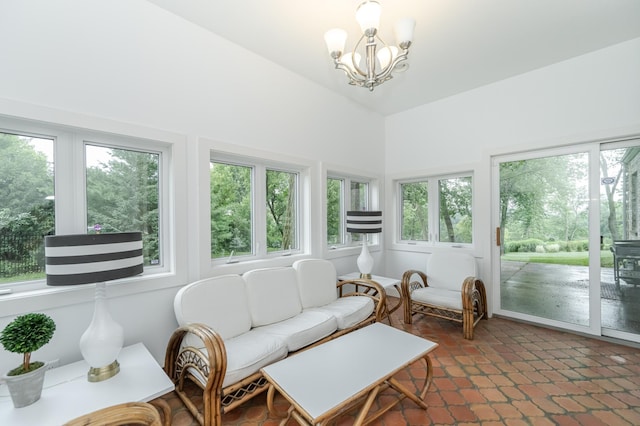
column 450, row 289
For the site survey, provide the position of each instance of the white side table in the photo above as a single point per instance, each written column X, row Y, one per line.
column 391, row 287
column 67, row 394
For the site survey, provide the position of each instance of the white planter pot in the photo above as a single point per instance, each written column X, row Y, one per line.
column 25, row 389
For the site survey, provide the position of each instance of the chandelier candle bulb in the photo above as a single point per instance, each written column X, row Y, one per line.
column 404, row 32
column 368, row 16
column 335, row 40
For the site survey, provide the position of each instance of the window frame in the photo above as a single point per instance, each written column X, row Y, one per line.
column 261, row 161
column 374, row 196
column 71, row 204
column 433, row 205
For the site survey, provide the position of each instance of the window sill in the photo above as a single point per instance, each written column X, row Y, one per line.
column 42, row 297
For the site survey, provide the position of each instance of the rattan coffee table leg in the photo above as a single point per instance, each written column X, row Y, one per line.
column 271, row 394
column 362, row 415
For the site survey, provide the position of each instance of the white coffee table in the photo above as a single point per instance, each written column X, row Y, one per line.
column 391, row 287
column 325, row 381
column 67, row 394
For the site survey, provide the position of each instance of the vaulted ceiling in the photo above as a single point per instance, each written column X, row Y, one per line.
column 458, row 45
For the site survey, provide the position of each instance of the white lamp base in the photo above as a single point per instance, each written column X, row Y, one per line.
column 365, row 261
column 101, row 342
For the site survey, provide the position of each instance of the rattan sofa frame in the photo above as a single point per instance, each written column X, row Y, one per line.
column 182, row 362
column 474, row 302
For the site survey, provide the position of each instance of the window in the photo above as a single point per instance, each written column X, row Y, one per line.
column 102, row 183
column 255, row 209
column 123, row 193
column 445, row 217
column 415, row 211
column 356, row 198
column 455, row 210
column 231, row 210
column 26, row 205
column 282, row 210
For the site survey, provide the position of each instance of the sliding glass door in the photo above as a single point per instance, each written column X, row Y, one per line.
column 567, row 242
column 620, row 209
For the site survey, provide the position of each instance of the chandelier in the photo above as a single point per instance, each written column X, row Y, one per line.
column 381, row 60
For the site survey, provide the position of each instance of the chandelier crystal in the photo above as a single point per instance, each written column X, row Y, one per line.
column 381, row 60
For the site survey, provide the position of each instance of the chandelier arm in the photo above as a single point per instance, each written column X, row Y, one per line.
column 354, row 78
column 355, row 49
column 386, row 74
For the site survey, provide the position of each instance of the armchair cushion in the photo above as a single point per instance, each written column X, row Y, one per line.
column 438, row 297
column 449, row 270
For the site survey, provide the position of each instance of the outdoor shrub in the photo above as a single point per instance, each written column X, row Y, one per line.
column 552, row 248
column 540, row 249
column 523, row 246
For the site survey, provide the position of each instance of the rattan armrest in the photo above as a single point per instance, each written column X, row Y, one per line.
column 372, row 289
column 408, row 286
column 181, row 361
column 139, row 413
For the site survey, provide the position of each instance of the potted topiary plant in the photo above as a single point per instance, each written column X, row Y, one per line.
column 24, row 335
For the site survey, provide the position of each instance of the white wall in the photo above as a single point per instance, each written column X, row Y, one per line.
column 589, row 97
column 129, row 67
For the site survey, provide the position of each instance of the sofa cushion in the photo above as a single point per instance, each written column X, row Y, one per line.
column 439, row 297
column 348, row 311
column 316, row 281
column 247, row 354
column 303, row 329
column 219, row 302
column 272, row 294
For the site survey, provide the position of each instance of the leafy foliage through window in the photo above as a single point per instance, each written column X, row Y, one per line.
column 122, row 195
column 441, row 204
column 26, row 205
column 242, row 227
column 339, row 200
column 122, row 190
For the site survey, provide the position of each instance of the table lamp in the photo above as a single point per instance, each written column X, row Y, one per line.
column 95, row 258
column 364, row 222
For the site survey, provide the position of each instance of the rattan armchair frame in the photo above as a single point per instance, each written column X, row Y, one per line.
column 474, row 302
column 130, row 413
column 184, row 363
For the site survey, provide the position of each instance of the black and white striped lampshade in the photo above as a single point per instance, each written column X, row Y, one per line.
column 84, row 259
column 361, row 222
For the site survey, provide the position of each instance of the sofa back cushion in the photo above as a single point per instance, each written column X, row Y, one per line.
column 219, row 302
column 316, row 282
column 272, row 294
column 448, row 270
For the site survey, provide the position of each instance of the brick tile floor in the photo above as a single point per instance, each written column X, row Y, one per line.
column 510, row 374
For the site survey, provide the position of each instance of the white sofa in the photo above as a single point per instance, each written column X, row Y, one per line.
column 232, row 325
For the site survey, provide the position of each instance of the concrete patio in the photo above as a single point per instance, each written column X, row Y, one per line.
column 561, row 292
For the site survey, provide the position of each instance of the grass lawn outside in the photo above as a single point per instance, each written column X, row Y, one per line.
column 579, row 258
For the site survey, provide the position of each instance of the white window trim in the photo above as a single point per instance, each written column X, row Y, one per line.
column 70, row 204
column 375, row 196
column 213, row 150
column 395, row 209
